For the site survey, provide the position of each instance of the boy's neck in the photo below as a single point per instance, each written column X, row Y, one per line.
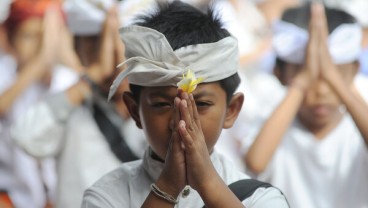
column 320, row 132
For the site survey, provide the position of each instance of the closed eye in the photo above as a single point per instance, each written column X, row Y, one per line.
column 161, row 105
column 201, row 104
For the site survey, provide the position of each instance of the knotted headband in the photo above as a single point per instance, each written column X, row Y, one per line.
column 290, row 42
column 151, row 61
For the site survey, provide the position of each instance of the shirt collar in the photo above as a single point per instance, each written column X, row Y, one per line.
column 154, row 167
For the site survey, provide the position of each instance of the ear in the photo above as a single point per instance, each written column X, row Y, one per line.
column 133, row 108
column 233, row 109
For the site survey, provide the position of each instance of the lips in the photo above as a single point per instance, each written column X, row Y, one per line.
column 321, row 110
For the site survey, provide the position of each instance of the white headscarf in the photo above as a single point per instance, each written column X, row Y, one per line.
column 85, row 17
column 152, row 62
column 290, row 42
column 4, row 9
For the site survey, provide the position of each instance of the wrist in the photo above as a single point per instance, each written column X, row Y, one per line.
column 168, row 187
column 163, row 195
column 300, row 85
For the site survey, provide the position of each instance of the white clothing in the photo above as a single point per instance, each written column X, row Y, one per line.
column 330, row 172
column 129, row 10
column 86, row 17
column 262, row 92
column 129, row 186
column 4, row 10
column 244, row 21
column 71, row 135
column 20, row 173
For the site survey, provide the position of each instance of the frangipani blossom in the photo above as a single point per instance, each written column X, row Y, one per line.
column 189, row 82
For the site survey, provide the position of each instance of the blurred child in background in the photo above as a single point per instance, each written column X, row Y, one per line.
column 314, row 145
column 28, row 72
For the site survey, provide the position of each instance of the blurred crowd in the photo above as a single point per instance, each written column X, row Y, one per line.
column 58, row 132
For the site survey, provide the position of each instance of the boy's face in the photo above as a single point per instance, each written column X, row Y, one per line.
column 155, row 111
column 27, row 39
column 321, row 104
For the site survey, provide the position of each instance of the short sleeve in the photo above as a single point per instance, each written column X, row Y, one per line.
column 92, row 199
column 265, row 198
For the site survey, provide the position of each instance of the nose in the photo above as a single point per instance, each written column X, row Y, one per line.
column 322, row 88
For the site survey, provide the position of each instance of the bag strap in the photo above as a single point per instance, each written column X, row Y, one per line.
column 113, row 137
column 246, row 187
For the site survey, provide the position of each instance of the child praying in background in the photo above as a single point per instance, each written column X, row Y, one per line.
column 314, row 146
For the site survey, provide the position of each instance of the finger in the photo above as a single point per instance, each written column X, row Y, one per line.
column 324, row 53
column 311, row 60
column 175, row 148
column 176, row 119
column 313, row 29
column 175, row 141
column 185, row 135
column 186, row 117
column 176, row 112
column 323, row 22
column 185, row 96
column 195, row 111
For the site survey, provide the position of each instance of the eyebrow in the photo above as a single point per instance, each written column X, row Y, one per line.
column 169, row 97
column 161, row 94
column 203, row 94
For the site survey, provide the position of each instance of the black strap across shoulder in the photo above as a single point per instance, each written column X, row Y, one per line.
column 246, row 187
column 112, row 135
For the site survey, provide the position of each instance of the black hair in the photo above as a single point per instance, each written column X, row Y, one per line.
column 300, row 16
column 185, row 25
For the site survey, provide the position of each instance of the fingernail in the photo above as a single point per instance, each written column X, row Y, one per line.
column 185, row 103
column 182, row 124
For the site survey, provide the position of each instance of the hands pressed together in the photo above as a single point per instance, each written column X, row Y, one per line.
column 57, row 45
column 187, row 160
column 318, row 62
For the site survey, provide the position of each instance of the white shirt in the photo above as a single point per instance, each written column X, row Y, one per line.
column 330, row 172
column 129, row 186
column 20, row 173
column 55, row 128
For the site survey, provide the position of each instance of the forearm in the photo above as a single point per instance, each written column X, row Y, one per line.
column 272, row 132
column 217, row 194
column 354, row 104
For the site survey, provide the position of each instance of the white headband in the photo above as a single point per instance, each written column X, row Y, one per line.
column 86, row 17
column 290, row 43
column 152, row 62
column 4, row 9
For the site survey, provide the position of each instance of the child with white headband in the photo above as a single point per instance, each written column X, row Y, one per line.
column 179, row 47
column 314, row 145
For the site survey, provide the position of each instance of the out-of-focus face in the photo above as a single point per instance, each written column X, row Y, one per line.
column 27, row 39
column 321, row 104
column 156, row 111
